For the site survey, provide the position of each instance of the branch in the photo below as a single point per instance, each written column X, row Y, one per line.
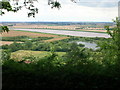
column 4, row 29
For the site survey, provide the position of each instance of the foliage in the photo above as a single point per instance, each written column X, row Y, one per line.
column 28, row 4
column 13, row 47
column 36, row 45
column 6, row 6
column 75, row 70
column 25, row 38
column 54, row 72
column 111, row 48
column 55, row 4
column 4, row 29
column 76, row 55
column 22, row 54
column 86, row 39
column 5, row 55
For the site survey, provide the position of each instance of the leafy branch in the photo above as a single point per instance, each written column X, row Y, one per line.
column 4, row 29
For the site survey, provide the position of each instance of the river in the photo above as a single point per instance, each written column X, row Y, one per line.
column 66, row 32
column 88, row 45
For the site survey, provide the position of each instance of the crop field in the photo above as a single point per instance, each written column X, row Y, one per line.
column 7, row 42
column 46, row 26
column 67, row 27
column 18, row 55
column 12, row 33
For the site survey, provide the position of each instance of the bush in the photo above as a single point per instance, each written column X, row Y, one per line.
column 5, row 55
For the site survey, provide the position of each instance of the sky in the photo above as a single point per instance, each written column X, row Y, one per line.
column 82, row 11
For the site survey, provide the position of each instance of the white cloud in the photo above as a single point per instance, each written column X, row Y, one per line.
column 69, row 12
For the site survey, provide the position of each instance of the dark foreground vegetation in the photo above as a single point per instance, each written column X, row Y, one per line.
column 78, row 68
column 55, row 73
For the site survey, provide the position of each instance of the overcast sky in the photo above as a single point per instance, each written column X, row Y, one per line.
column 83, row 10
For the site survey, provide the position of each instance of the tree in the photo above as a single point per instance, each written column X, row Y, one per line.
column 111, row 48
column 6, row 6
column 77, row 55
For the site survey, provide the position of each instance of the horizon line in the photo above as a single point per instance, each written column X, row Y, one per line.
column 53, row 21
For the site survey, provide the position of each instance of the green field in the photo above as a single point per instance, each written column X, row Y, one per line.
column 18, row 55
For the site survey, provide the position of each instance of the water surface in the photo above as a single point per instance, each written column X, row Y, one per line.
column 71, row 33
column 88, row 45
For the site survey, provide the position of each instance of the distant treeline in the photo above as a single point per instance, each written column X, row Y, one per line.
column 61, row 23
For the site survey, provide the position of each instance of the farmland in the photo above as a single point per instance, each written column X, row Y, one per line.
column 19, row 55
column 74, row 26
column 7, row 42
column 70, row 27
column 30, row 39
column 12, row 33
column 59, row 61
column 58, row 44
column 28, row 35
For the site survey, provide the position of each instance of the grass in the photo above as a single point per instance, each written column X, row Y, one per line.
column 18, row 55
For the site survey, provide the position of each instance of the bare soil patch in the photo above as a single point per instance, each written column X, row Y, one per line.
column 7, row 42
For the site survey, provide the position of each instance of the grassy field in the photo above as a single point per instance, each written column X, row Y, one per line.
column 18, row 55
